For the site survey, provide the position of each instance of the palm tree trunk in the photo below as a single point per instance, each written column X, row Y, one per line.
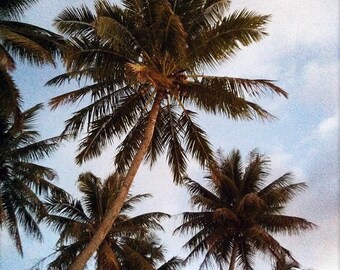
column 113, row 211
column 233, row 258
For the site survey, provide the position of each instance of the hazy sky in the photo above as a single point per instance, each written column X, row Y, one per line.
column 301, row 54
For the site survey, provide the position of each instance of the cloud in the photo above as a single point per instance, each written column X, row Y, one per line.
column 328, row 127
column 298, row 22
column 318, row 203
column 283, row 162
column 320, row 85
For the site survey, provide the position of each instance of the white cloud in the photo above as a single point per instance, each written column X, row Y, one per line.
column 302, row 22
column 283, row 162
column 320, row 85
column 328, row 126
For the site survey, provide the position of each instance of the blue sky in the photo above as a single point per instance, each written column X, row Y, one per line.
column 302, row 54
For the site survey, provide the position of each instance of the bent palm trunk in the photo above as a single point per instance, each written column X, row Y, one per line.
column 113, row 211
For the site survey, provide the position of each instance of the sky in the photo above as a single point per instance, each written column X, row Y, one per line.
column 302, row 54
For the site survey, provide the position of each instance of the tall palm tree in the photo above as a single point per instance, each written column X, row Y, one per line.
column 238, row 215
column 22, row 181
column 145, row 61
column 131, row 242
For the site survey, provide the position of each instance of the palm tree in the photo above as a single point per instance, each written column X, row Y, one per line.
column 238, row 214
column 22, row 181
column 131, row 242
column 145, row 61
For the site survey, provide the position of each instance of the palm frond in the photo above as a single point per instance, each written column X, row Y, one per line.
column 10, row 98
column 176, row 155
column 66, row 255
column 6, row 60
column 11, row 222
column 207, row 13
column 14, row 8
column 255, row 173
column 105, row 129
column 196, row 139
column 149, row 221
column 193, row 221
column 67, row 207
column 92, row 194
column 226, row 37
column 129, row 146
column 37, row 151
column 175, row 263
column 22, row 181
column 131, row 201
column 227, row 96
column 119, row 37
column 283, row 195
column 75, row 21
column 171, row 32
column 264, row 242
column 37, row 178
column 30, row 43
column 195, row 189
column 135, row 260
column 286, row 224
column 246, row 254
column 282, row 181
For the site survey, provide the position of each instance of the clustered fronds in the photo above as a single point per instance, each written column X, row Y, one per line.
column 129, row 53
column 22, row 180
column 131, row 242
column 239, row 213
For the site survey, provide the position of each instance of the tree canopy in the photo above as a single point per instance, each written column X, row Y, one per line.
column 239, row 214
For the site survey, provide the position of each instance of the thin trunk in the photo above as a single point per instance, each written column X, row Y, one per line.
column 113, row 211
column 233, row 257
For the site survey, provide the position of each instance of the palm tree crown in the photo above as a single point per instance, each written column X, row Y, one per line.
column 149, row 53
column 131, row 242
column 21, row 179
column 238, row 214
